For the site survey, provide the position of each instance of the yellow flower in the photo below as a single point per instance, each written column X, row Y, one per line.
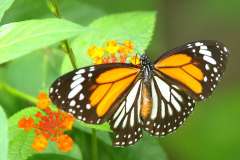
column 135, row 60
column 95, row 51
column 129, row 44
column 126, row 48
column 112, row 47
column 98, row 60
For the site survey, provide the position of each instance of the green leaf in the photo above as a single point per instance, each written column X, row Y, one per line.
column 101, row 130
column 4, row 5
column 146, row 148
column 103, row 127
column 51, row 157
column 34, row 79
column 75, row 153
column 3, row 135
column 135, row 26
column 20, row 38
column 20, row 142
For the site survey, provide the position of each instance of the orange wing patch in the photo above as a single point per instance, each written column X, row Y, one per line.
column 180, row 68
column 174, row 60
column 110, row 85
column 115, row 74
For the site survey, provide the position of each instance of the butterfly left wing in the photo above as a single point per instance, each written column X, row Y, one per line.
column 91, row 94
column 170, row 107
column 181, row 76
column 195, row 67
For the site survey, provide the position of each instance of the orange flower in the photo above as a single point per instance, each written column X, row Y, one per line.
column 64, row 143
column 40, row 143
column 26, row 123
column 112, row 47
column 43, row 101
column 49, row 125
column 67, row 121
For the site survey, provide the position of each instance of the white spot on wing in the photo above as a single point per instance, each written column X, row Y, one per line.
column 119, row 118
column 164, row 88
column 132, row 96
column 155, row 102
column 205, row 52
column 125, row 122
column 80, row 71
column 81, row 97
column 76, row 77
column 209, row 60
column 76, row 82
column 72, row 103
column 75, row 91
column 175, row 104
column 162, row 109
column 132, row 118
column 119, row 110
column 177, row 95
column 170, row 110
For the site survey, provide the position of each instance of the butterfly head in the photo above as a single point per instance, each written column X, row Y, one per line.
column 145, row 61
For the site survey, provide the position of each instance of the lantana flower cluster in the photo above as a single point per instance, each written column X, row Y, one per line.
column 114, row 52
column 48, row 125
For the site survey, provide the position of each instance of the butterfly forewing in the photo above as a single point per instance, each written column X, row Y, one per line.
column 195, row 66
column 90, row 93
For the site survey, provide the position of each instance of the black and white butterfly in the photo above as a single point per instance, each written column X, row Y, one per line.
column 155, row 97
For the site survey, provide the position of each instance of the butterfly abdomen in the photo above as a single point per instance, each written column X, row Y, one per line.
column 146, row 101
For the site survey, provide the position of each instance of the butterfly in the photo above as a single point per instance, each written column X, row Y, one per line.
column 153, row 97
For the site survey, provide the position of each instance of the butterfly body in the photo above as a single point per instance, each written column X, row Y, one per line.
column 155, row 97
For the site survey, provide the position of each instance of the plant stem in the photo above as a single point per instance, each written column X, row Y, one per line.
column 94, row 145
column 53, row 6
column 70, row 53
column 18, row 93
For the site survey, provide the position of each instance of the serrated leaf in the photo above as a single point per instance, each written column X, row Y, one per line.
column 19, row 140
column 20, row 38
column 4, row 5
column 3, row 135
column 135, row 26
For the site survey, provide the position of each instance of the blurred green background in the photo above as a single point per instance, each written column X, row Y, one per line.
column 213, row 130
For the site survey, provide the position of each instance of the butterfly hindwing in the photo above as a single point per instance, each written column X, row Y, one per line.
column 195, row 66
column 90, row 93
column 170, row 107
column 126, row 121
